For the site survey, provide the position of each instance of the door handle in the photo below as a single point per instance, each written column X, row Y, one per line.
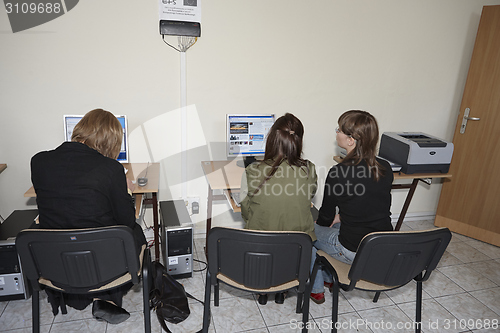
column 464, row 120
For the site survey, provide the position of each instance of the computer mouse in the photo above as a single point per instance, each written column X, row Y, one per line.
column 142, row 181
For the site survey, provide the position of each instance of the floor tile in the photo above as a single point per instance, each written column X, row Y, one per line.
column 386, row 319
column 276, row 314
column 489, row 269
column 490, row 298
column 467, row 278
column 135, row 324
column 17, row 314
column 421, row 225
column 440, row 285
column 79, row 326
column 237, row 314
column 466, row 253
column 467, row 309
column 296, row 327
column 458, row 238
column 449, row 260
column 434, row 316
column 491, row 251
column 406, row 293
column 363, row 300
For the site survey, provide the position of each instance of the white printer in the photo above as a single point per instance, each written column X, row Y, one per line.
column 416, row 152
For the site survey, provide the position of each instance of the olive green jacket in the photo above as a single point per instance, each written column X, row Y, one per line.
column 283, row 202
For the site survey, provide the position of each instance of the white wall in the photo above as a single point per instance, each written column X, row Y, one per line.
column 405, row 61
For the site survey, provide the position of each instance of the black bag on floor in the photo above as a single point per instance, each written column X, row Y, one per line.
column 168, row 297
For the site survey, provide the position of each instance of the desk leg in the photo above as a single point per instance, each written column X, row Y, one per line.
column 155, row 226
column 209, row 213
column 406, row 204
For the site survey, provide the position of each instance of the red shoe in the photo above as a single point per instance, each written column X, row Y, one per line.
column 329, row 285
column 318, row 298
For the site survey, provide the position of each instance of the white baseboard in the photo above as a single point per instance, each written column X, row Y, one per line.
column 419, row 216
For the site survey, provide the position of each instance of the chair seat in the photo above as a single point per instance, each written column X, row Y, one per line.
column 343, row 274
column 113, row 284
column 281, row 287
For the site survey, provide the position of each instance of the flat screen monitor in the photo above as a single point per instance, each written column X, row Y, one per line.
column 246, row 134
column 71, row 120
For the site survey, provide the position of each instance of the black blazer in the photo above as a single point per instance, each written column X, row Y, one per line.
column 77, row 187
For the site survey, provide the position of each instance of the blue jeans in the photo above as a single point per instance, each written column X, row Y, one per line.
column 328, row 241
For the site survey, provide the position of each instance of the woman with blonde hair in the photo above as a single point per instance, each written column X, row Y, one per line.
column 80, row 184
column 359, row 187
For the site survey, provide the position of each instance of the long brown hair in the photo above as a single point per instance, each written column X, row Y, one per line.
column 100, row 130
column 362, row 127
column 284, row 142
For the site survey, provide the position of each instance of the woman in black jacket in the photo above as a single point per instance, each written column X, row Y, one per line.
column 359, row 187
column 80, row 184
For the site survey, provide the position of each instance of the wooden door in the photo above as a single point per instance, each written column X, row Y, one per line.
column 470, row 201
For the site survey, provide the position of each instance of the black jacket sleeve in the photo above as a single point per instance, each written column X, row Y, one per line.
column 329, row 205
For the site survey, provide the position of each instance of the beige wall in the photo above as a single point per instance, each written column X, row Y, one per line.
column 404, row 61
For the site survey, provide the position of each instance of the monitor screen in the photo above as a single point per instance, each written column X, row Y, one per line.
column 71, row 120
column 246, row 134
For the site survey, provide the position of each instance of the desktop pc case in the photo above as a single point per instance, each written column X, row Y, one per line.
column 13, row 285
column 177, row 238
column 179, row 246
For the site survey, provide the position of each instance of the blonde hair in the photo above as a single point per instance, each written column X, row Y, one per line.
column 100, row 130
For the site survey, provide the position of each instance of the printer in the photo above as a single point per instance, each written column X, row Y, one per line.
column 416, row 152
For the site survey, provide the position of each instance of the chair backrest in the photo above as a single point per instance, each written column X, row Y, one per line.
column 259, row 259
column 78, row 260
column 395, row 258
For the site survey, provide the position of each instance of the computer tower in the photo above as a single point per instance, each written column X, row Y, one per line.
column 180, row 252
column 177, row 238
column 13, row 285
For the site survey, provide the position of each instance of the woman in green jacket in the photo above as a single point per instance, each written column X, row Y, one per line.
column 277, row 191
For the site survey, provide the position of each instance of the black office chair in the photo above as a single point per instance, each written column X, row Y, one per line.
column 83, row 261
column 386, row 261
column 260, row 262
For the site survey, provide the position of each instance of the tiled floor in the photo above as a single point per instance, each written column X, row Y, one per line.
column 465, row 289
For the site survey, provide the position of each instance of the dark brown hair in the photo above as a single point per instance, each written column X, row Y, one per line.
column 100, row 130
column 362, row 127
column 284, row 142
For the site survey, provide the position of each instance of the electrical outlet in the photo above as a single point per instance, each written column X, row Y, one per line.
column 193, row 205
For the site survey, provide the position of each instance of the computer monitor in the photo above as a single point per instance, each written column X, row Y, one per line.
column 246, row 134
column 71, row 120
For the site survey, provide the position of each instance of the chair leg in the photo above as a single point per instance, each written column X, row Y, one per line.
column 377, row 295
column 206, row 305
column 35, row 310
column 300, row 299
column 335, row 305
column 418, row 314
column 145, row 291
column 216, row 293
column 335, row 290
column 305, row 306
